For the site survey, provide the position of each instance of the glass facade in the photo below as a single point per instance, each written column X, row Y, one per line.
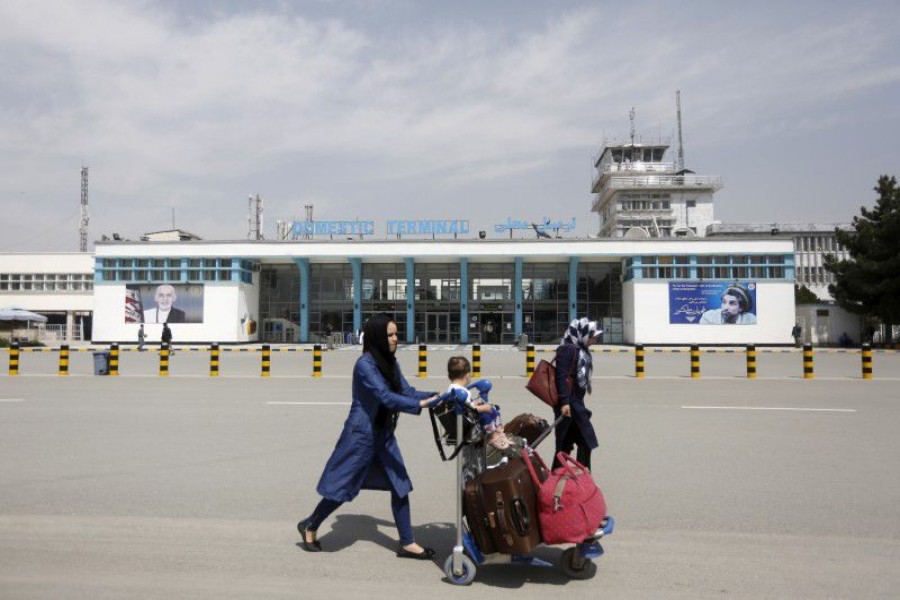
column 437, row 303
column 491, row 303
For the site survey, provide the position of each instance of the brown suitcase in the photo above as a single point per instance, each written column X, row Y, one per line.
column 508, row 501
column 477, row 519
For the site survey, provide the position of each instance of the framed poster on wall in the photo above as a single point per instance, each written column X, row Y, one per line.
column 712, row 302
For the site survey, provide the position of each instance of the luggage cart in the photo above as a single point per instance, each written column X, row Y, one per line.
column 465, row 433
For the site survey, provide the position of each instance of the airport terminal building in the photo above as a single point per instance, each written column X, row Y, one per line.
column 447, row 291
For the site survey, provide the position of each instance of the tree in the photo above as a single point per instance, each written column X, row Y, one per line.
column 868, row 283
column 804, row 295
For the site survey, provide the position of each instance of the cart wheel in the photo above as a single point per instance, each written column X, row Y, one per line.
column 468, row 570
column 576, row 566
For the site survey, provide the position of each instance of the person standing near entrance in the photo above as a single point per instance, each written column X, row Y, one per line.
column 141, row 338
column 574, row 367
column 166, row 338
column 797, row 333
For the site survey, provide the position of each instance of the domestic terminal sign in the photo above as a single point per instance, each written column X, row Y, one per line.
column 431, row 227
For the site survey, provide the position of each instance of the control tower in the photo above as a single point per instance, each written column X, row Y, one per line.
column 639, row 194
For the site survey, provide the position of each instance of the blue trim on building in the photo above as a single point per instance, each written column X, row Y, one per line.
column 464, row 302
column 517, row 297
column 573, row 287
column 410, row 299
column 303, row 267
column 356, row 263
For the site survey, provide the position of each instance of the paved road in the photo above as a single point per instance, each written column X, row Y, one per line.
column 189, row 487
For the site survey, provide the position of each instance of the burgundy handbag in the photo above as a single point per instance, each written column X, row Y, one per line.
column 543, row 382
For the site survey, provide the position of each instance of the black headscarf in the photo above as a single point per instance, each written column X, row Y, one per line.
column 375, row 342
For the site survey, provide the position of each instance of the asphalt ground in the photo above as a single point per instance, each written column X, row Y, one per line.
column 141, row 486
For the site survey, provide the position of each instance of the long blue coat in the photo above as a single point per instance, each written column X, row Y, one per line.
column 367, row 457
column 566, row 362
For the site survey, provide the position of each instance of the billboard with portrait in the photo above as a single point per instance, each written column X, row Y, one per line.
column 712, row 302
column 165, row 302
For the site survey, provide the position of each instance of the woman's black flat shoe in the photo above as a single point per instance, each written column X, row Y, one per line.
column 426, row 554
column 314, row 546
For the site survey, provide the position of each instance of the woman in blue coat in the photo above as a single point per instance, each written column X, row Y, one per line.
column 367, row 455
column 574, row 368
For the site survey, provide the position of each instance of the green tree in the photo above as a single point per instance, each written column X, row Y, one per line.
column 804, row 295
column 868, row 283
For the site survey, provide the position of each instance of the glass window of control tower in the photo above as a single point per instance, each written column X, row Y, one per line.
column 491, row 305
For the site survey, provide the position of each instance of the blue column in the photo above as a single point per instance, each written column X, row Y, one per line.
column 356, row 263
column 692, row 272
column 410, row 300
column 789, row 267
column 184, row 268
column 517, row 296
column 303, row 265
column 573, row 288
column 463, row 300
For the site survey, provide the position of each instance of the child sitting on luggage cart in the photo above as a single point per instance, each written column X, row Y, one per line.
column 459, row 371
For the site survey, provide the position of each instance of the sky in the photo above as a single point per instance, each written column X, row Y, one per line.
column 403, row 109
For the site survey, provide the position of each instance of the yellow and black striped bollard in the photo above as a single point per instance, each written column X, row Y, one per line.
column 423, row 360
column 14, row 358
column 695, row 362
column 266, row 360
column 164, row 360
column 639, row 361
column 476, row 360
column 64, row 359
column 213, row 360
column 114, row 359
column 808, row 362
column 751, row 361
column 317, row 360
column 529, row 360
column 867, row 361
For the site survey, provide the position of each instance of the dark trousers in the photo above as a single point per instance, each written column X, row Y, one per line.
column 399, row 506
column 572, row 439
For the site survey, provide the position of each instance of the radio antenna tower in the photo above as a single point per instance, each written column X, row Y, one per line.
column 85, row 218
column 680, row 144
column 631, row 118
column 255, row 219
column 309, row 219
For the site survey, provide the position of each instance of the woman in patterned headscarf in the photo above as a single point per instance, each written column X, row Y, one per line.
column 573, row 380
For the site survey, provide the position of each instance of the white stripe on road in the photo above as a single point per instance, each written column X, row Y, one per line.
column 842, row 410
column 11, row 400
column 310, row 403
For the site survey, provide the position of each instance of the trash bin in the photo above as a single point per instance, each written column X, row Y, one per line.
column 101, row 363
column 523, row 342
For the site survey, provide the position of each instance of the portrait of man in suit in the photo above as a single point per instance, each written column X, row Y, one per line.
column 164, row 311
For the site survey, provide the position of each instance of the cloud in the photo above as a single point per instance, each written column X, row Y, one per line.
column 194, row 110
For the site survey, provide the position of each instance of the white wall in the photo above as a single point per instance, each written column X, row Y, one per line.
column 51, row 262
column 650, row 312
column 827, row 329
column 224, row 306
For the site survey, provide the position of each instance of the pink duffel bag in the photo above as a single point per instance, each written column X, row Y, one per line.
column 570, row 505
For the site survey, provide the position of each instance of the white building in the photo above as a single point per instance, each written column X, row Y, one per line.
column 650, row 291
column 812, row 241
column 640, row 194
column 58, row 285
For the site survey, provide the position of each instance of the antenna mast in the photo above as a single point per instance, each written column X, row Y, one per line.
column 255, row 220
column 309, row 219
column 631, row 118
column 85, row 218
column 680, row 144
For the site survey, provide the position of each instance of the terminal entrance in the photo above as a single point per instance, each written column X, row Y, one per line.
column 437, row 328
